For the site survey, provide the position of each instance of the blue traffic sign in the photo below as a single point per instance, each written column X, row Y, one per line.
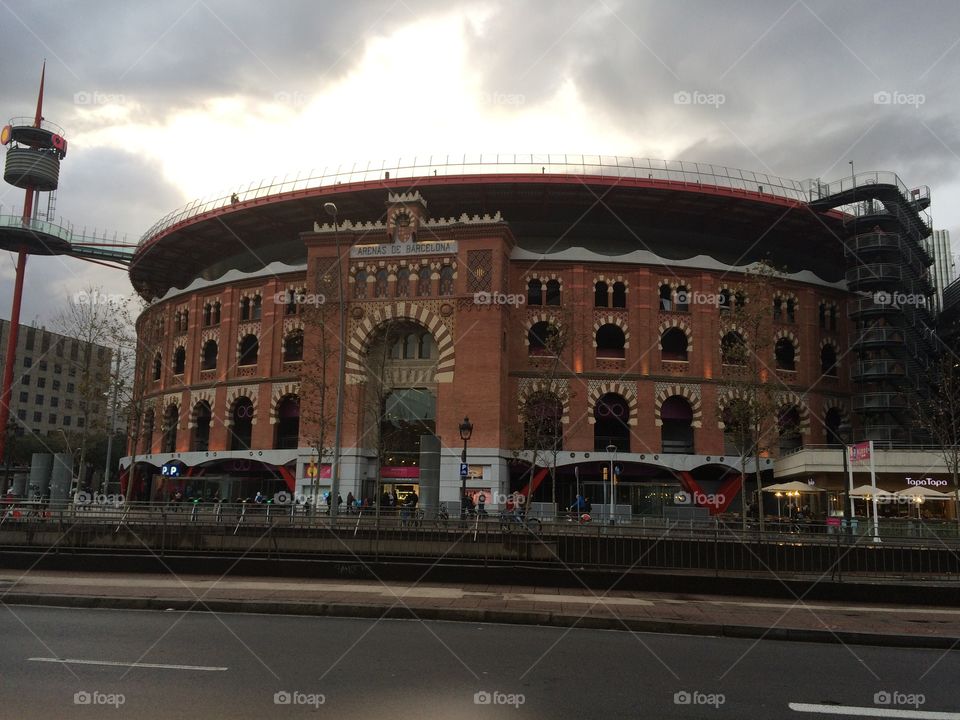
column 464, row 470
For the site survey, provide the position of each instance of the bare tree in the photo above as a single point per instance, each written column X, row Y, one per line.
column 939, row 414
column 541, row 414
column 90, row 318
column 752, row 391
column 318, row 372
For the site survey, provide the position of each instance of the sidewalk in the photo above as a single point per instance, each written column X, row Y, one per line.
column 900, row 626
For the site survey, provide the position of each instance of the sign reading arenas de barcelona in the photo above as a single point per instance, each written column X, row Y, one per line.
column 385, row 250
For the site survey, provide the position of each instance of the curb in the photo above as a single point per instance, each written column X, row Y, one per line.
column 508, row 617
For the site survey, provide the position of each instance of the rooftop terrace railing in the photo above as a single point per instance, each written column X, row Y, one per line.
column 698, row 174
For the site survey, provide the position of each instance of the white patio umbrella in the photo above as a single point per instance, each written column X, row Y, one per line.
column 920, row 494
column 867, row 492
column 793, row 486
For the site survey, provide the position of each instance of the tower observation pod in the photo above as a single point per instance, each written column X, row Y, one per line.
column 34, row 155
column 34, row 149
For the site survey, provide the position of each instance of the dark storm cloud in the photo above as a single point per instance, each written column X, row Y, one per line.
column 798, row 79
column 174, row 55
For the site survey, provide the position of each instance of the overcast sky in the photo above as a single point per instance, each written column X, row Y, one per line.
column 165, row 102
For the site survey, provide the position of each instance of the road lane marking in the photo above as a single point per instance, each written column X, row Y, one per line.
column 70, row 661
column 874, row 712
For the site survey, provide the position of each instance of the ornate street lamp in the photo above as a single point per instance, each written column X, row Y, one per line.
column 466, row 430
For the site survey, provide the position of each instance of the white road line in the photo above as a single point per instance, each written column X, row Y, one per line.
column 874, row 712
column 69, row 661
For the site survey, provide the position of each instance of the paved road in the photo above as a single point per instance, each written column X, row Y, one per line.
column 199, row 665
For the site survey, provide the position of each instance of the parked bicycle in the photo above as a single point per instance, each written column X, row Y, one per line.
column 510, row 521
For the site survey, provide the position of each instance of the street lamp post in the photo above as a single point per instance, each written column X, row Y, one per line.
column 843, row 435
column 612, row 449
column 331, row 210
column 466, row 430
column 111, row 430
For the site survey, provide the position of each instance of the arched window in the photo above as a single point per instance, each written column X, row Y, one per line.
column 619, row 295
column 777, row 308
column 601, row 297
column 674, row 344
column 683, row 299
column 676, row 433
column 788, row 426
column 785, row 354
column 200, row 439
column 610, row 342
column 833, row 317
column 446, row 280
column 553, row 292
column 360, row 285
column 179, row 360
column 380, row 284
column 612, row 423
column 791, row 310
column 739, row 300
column 185, row 321
column 733, row 349
column 542, row 339
column 828, row 360
column 287, row 434
column 170, row 418
column 209, row 358
column 534, row 292
column 725, row 300
column 426, row 347
column 823, row 316
column 207, row 314
column 241, row 430
column 666, row 297
column 833, row 420
column 245, row 308
column 543, row 422
column 216, row 313
column 293, row 346
column 257, row 307
column 403, row 283
column 157, row 366
column 737, row 428
column 292, row 305
column 423, row 282
column 411, row 345
column 249, row 348
column 396, row 349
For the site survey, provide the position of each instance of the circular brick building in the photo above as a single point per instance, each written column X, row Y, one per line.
column 578, row 309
